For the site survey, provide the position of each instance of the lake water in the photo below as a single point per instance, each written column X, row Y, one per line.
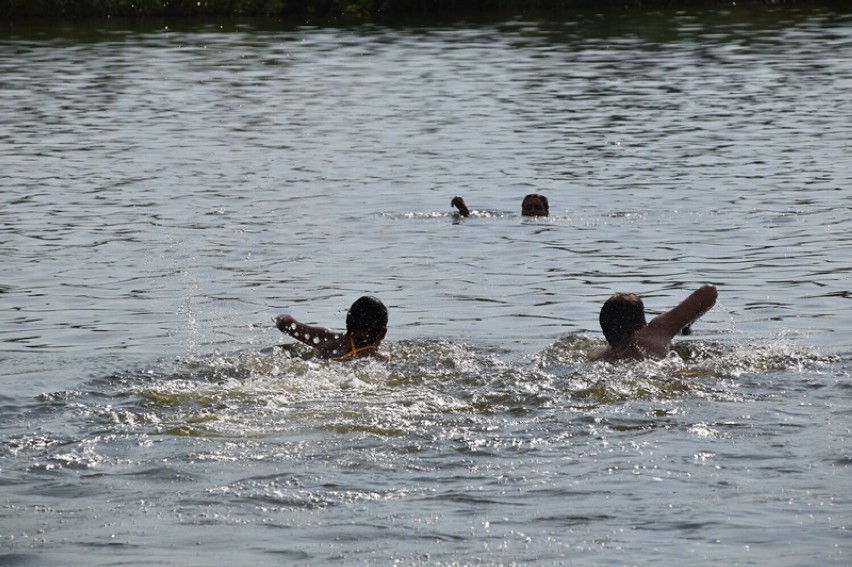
column 166, row 190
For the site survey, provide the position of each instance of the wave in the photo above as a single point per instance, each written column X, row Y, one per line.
column 428, row 383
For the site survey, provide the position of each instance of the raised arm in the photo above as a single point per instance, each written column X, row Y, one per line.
column 459, row 203
column 312, row 335
column 685, row 313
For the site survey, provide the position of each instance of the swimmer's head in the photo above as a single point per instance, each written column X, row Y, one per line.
column 622, row 315
column 535, row 205
column 368, row 315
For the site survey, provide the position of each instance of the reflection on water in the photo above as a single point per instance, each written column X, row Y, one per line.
column 167, row 189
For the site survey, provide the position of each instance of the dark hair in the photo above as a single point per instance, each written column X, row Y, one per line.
column 538, row 196
column 621, row 316
column 367, row 314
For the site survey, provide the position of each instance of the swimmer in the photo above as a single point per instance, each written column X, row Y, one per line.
column 458, row 203
column 623, row 323
column 366, row 327
column 533, row 205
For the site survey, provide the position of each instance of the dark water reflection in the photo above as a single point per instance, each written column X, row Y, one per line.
column 166, row 189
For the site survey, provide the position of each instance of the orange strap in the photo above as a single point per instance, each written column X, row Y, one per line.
column 353, row 351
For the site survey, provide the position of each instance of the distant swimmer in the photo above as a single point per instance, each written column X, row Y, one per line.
column 622, row 320
column 366, row 327
column 458, row 203
column 533, row 205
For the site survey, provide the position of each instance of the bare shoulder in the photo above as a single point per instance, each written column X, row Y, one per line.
column 334, row 347
column 641, row 346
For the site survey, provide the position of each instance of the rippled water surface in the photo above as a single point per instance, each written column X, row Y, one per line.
column 166, row 189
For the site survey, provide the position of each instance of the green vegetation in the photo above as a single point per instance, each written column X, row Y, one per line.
column 356, row 9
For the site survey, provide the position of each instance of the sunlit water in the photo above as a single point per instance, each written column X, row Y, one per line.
column 166, row 191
